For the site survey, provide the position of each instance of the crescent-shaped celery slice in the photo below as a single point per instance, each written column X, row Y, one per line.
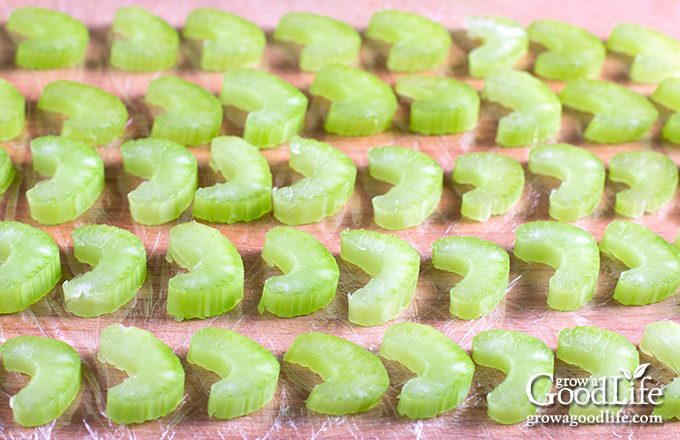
column 7, row 171
column 504, row 42
column 668, row 95
column 12, row 112
column 661, row 340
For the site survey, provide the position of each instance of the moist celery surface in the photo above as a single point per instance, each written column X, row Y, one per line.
column 504, row 42
column 662, row 340
column 12, row 112
column 7, row 171
column 668, row 95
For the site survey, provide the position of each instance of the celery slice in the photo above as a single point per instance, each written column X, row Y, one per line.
column 660, row 340
column 520, row 357
column 326, row 41
column 12, row 112
column 354, row 378
column 654, row 264
column 668, row 95
column 504, row 42
column 54, row 367
column 444, row 369
column 581, row 172
column 393, row 265
column 361, row 103
column 47, row 39
column 498, row 181
column 310, row 273
column 276, row 110
column 214, row 284
column 668, row 406
column 77, row 173
column 156, row 383
column 328, row 184
column 7, row 171
column 417, row 181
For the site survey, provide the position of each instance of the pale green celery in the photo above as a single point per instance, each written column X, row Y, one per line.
column 47, row 39
column 156, row 383
column 172, row 173
column 498, row 182
column 520, row 357
column 654, row 264
column 668, row 406
column 325, row 40
column 620, row 114
column 661, row 340
column 668, row 95
column 328, row 183
column 361, row 105
column 7, row 171
column 310, row 273
column 54, row 367
column 276, row 109
column 12, row 112
column 354, row 378
column 582, row 175
column 444, row 369
column 77, row 179
column 504, row 42
column 393, row 265
column 214, row 284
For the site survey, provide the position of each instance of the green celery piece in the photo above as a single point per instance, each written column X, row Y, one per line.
column 54, row 367
column 77, row 173
column 520, row 357
column 328, row 184
column 581, row 172
column 603, row 354
column 444, row 369
column 325, row 40
column 48, row 39
column 504, row 42
column 498, row 181
column 214, row 284
column 118, row 258
column 156, row 383
column 660, row 340
column 668, row 406
column 192, row 114
column 7, row 171
column 30, row 265
column 12, row 112
column 95, row 117
column 354, row 378
column 147, row 42
column 621, row 115
column 310, row 273
column 172, row 173
column 651, row 176
column 393, row 265
column 276, row 109
column 418, row 43
column 247, row 195
column 654, row 264
column 229, row 41
column 485, row 267
column 572, row 53
column 361, row 103
column 417, row 181
column 249, row 371
column 537, row 113
column 668, row 95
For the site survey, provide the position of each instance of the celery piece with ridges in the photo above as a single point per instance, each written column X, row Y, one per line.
column 661, row 340
column 504, row 42
column 668, row 95
column 12, row 112
column 354, row 379
column 7, row 171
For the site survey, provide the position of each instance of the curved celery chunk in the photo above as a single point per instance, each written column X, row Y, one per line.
column 354, row 378
column 668, row 95
column 418, row 43
column 276, row 110
column 520, row 357
column 651, row 176
column 444, row 369
column 660, row 340
column 498, row 181
column 229, row 41
column 156, row 383
column 48, row 39
column 361, row 103
column 7, row 171
column 214, row 284
column 621, row 115
column 118, row 258
column 572, row 53
column 654, row 264
column 310, row 273
column 95, row 117
column 582, row 175
column 172, row 173
column 77, row 173
column 326, row 41
column 54, row 367
column 485, row 267
column 504, row 42
column 12, row 112
column 393, row 265
column 192, row 114
column 327, row 186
